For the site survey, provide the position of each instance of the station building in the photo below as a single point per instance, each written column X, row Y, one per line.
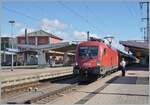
column 38, row 38
column 37, row 47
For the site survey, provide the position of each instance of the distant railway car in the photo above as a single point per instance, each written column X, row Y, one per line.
column 128, row 58
column 94, row 57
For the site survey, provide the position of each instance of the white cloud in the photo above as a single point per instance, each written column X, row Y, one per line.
column 5, row 35
column 83, row 35
column 94, row 35
column 80, row 34
column 62, row 35
column 51, row 25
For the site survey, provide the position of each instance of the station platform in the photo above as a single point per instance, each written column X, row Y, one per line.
column 19, row 76
column 113, row 89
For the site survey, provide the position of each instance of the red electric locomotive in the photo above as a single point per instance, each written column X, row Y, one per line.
column 94, row 57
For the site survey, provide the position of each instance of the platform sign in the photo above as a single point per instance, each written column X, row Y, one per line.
column 12, row 50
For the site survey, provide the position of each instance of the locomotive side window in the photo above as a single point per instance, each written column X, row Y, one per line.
column 104, row 52
column 88, row 51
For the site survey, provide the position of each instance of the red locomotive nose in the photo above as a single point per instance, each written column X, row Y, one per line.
column 87, row 56
column 88, row 63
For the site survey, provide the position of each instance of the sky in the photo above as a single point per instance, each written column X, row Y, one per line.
column 71, row 20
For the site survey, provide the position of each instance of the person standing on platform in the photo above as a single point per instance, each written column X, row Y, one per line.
column 53, row 61
column 123, row 66
column 50, row 62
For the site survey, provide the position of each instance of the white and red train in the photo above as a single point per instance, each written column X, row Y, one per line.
column 94, row 57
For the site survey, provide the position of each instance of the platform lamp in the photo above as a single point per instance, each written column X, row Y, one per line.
column 12, row 42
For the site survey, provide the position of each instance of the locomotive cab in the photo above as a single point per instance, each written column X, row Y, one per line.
column 94, row 58
column 87, row 57
column 88, row 60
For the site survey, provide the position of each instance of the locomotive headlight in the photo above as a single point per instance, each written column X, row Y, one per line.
column 76, row 63
column 98, row 63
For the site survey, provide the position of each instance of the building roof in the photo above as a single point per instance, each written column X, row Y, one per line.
column 42, row 33
column 6, row 37
column 136, row 44
column 60, row 47
column 48, row 46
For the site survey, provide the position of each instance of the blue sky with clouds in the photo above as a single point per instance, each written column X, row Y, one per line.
column 71, row 20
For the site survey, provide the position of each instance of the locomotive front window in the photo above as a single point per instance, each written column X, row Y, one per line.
column 88, row 51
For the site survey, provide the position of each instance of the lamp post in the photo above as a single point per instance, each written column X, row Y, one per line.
column 88, row 36
column 12, row 42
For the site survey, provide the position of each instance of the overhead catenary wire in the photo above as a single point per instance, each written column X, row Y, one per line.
column 92, row 13
column 24, row 25
column 130, row 10
column 22, row 14
column 133, row 13
column 67, row 7
column 80, row 16
column 36, row 20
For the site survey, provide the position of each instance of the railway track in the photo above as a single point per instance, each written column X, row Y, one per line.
column 10, row 91
column 47, row 87
column 17, row 89
column 53, row 94
column 60, row 92
column 49, row 91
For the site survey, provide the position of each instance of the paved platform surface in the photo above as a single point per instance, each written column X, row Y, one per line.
column 18, row 76
column 18, row 72
column 114, row 89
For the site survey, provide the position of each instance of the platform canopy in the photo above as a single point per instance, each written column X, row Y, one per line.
column 138, row 48
column 61, row 47
column 68, row 48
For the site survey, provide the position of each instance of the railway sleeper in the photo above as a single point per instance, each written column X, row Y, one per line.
column 53, row 94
